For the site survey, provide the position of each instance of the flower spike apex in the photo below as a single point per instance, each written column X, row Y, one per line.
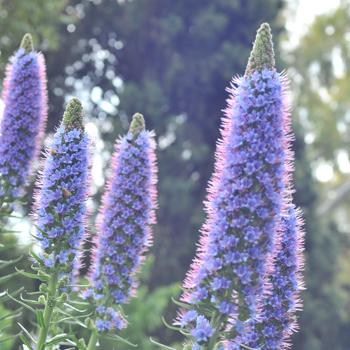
column 262, row 55
column 27, row 43
column 73, row 115
column 137, row 124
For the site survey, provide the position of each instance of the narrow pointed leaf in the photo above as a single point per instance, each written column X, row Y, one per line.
column 5, row 263
column 21, row 303
column 34, row 276
column 118, row 338
column 26, row 333
column 160, row 345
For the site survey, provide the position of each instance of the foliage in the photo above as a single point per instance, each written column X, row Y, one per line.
column 324, row 320
column 41, row 18
column 320, row 70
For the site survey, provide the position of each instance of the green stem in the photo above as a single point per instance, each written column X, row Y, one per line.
column 93, row 340
column 48, row 311
column 213, row 340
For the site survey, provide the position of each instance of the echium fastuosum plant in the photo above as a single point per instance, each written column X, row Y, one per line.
column 23, row 122
column 224, row 287
column 277, row 320
column 59, row 216
column 123, row 229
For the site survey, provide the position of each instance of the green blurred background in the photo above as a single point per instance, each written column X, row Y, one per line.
column 172, row 60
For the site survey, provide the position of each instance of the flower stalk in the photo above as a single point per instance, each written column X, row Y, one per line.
column 224, row 286
column 60, row 215
column 50, row 304
column 23, row 122
column 124, row 227
column 93, row 340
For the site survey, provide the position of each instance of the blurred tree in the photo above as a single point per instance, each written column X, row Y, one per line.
column 325, row 321
column 321, row 77
column 170, row 60
column 41, row 18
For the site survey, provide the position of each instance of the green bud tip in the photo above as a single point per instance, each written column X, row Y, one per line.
column 27, row 43
column 262, row 55
column 137, row 124
column 73, row 115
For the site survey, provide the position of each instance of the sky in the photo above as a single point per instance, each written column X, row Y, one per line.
column 301, row 13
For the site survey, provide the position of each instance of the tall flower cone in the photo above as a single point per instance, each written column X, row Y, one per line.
column 224, row 286
column 24, row 118
column 61, row 210
column 124, row 224
column 63, row 190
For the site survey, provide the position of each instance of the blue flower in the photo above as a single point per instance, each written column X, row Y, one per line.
column 124, row 224
column 24, row 118
column 61, row 199
column 245, row 196
column 203, row 331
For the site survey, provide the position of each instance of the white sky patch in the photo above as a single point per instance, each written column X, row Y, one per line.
column 338, row 63
column 23, row 228
column 96, row 94
column 97, row 162
column 309, row 137
column 305, row 13
column 343, row 161
column 324, row 172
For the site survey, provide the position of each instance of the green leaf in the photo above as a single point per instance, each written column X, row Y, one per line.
column 118, row 338
column 4, row 295
column 77, row 302
column 25, row 341
column 27, row 334
column 5, row 278
column 29, row 301
column 12, row 315
column 76, row 320
column 10, row 337
column 160, row 345
column 74, row 308
column 37, row 258
column 181, row 304
column 57, row 339
column 34, row 276
column 40, row 318
column 5, row 263
column 246, row 347
column 21, row 303
column 174, row 328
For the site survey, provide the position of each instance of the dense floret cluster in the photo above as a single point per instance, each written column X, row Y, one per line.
column 124, row 227
column 244, row 203
column 61, row 206
column 24, row 118
column 278, row 317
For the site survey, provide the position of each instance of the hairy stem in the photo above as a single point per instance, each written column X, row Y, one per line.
column 48, row 311
column 216, row 322
column 93, row 340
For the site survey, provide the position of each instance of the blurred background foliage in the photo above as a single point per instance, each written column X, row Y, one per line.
column 172, row 60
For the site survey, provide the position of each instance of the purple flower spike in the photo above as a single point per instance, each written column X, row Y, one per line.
column 23, row 122
column 124, row 224
column 245, row 198
column 63, row 191
column 277, row 321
